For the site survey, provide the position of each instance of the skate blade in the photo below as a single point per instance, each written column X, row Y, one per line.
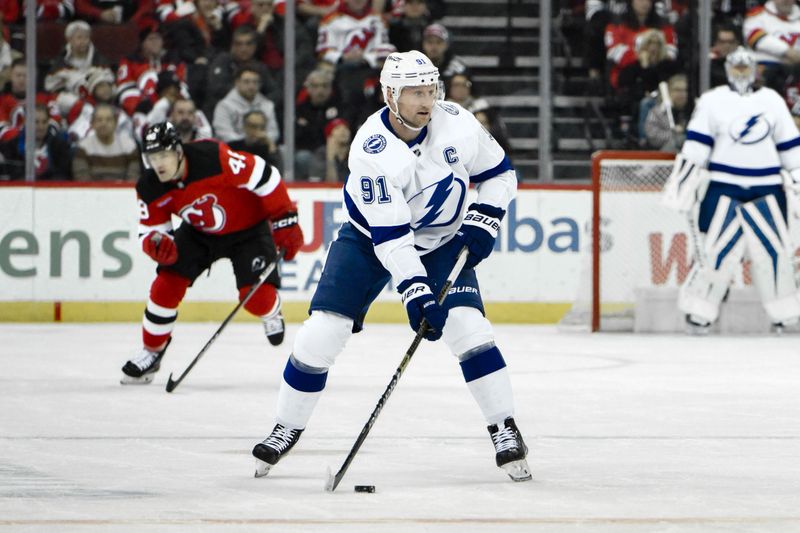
column 130, row 380
column 262, row 468
column 518, row 470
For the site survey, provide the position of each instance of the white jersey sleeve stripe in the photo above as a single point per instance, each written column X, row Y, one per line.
column 501, row 167
column 144, row 230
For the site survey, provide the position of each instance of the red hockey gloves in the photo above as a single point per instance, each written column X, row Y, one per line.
column 479, row 231
column 161, row 248
column 420, row 302
column 287, row 234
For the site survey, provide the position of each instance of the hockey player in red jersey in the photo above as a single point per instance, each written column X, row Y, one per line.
column 226, row 201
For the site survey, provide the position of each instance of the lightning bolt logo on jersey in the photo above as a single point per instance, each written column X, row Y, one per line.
column 744, row 140
column 754, row 129
column 419, row 187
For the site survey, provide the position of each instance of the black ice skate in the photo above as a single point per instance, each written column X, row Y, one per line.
column 270, row 451
column 274, row 327
column 697, row 326
column 142, row 369
column 511, row 450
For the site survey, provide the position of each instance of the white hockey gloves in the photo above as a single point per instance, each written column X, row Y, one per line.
column 791, row 186
column 685, row 186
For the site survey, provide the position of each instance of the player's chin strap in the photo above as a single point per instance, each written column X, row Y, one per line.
column 400, row 119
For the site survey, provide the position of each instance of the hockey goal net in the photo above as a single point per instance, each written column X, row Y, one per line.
column 635, row 247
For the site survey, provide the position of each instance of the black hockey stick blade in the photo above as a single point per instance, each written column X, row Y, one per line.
column 172, row 384
column 334, row 480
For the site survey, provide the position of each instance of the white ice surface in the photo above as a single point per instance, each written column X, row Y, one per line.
column 626, row 433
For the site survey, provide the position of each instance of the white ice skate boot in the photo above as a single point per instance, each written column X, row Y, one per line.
column 274, row 327
column 511, row 450
column 142, row 369
column 270, row 451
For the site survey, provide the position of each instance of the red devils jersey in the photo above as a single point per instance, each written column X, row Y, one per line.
column 222, row 192
column 137, row 79
column 621, row 45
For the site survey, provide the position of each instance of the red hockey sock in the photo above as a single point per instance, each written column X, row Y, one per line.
column 166, row 293
column 263, row 300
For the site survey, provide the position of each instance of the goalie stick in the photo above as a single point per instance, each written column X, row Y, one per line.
column 171, row 384
column 334, row 480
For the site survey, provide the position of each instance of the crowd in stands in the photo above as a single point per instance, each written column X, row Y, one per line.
column 634, row 46
column 215, row 68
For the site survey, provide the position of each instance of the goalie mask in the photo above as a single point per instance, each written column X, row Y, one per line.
column 408, row 69
column 740, row 67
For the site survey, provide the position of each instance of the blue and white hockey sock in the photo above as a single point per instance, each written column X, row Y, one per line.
column 487, row 378
column 300, row 389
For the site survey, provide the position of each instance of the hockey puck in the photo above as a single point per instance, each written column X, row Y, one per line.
column 365, row 488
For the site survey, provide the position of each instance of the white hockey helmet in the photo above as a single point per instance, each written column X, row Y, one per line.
column 740, row 67
column 407, row 69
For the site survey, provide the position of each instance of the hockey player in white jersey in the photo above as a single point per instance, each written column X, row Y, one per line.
column 733, row 176
column 411, row 165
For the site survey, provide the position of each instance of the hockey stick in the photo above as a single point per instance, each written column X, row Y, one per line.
column 333, row 481
column 261, row 279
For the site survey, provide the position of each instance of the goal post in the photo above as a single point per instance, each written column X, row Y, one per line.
column 619, row 171
column 637, row 253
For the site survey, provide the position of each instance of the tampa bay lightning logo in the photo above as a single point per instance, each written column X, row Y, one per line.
column 749, row 129
column 450, row 108
column 442, row 203
column 375, row 143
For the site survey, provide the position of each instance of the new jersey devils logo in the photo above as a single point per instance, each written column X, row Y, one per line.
column 205, row 214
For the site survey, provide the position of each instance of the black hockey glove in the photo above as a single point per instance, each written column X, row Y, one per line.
column 420, row 302
column 479, row 231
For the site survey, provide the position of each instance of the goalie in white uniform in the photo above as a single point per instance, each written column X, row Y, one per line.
column 735, row 172
column 411, row 165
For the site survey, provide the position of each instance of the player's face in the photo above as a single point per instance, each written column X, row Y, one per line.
column 164, row 163
column 415, row 104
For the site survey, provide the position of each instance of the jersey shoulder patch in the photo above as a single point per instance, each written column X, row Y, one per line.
column 450, row 108
column 375, row 144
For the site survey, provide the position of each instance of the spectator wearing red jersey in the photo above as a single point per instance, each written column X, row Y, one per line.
column 52, row 159
column 773, row 31
column 12, row 102
column 137, row 75
column 115, row 11
column 623, row 43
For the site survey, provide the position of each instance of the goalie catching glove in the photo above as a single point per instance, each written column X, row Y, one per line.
column 685, row 186
column 479, row 231
column 161, row 248
column 287, row 234
column 417, row 295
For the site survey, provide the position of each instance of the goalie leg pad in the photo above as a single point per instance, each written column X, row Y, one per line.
column 321, row 339
column 721, row 252
column 770, row 249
